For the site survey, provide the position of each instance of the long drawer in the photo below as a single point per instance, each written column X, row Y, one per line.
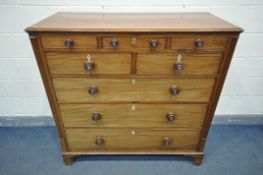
column 131, row 139
column 140, row 89
column 133, row 115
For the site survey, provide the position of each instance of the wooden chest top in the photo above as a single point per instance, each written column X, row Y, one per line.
column 133, row 22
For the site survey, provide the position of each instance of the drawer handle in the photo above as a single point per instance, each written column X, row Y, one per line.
column 154, row 43
column 99, row 141
column 199, row 43
column 96, row 116
column 174, row 90
column 178, row 66
column 114, row 42
column 68, row 43
column 167, row 141
column 89, row 65
column 93, row 90
column 170, row 116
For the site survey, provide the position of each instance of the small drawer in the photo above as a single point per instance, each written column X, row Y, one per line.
column 200, row 42
column 178, row 64
column 136, row 42
column 69, row 41
column 141, row 89
column 88, row 63
column 131, row 139
column 133, row 115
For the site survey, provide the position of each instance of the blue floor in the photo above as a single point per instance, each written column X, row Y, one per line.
column 230, row 150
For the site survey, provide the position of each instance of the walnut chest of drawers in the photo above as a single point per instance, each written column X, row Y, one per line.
column 133, row 83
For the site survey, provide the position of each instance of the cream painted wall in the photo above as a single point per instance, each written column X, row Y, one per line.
column 21, row 89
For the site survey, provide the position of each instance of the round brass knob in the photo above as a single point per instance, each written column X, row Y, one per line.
column 199, row 43
column 154, row 43
column 167, row 141
column 68, row 43
column 178, row 66
column 170, row 116
column 114, row 42
column 92, row 90
column 99, row 141
column 174, row 90
column 96, row 116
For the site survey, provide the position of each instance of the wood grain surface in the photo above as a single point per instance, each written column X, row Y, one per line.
column 73, row 63
column 140, row 89
column 131, row 139
column 79, row 41
column 164, row 64
column 188, row 41
column 133, row 22
column 134, row 41
column 133, row 115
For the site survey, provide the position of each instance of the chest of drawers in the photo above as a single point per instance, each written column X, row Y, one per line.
column 133, row 83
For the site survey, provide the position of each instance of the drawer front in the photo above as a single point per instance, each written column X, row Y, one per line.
column 91, row 89
column 131, row 139
column 93, row 63
column 178, row 64
column 69, row 41
column 198, row 42
column 133, row 115
column 139, row 42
